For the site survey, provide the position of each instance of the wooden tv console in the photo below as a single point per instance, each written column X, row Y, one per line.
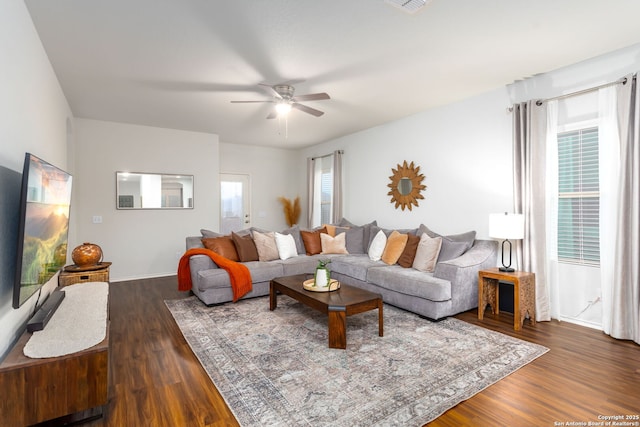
column 70, row 387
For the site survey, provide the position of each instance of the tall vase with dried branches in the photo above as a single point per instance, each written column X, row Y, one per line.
column 291, row 210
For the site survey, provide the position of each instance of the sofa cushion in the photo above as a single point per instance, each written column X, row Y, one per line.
column 355, row 240
column 266, row 246
column 260, row 272
column 394, row 247
column 409, row 252
column 376, row 248
column 453, row 245
column 355, row 266
column 222, row 245
column 333, row 245
column 311, row 241
column 245, row 247
column 427, row 253
column 295, row 232
column 286, row 246
column 410, row 282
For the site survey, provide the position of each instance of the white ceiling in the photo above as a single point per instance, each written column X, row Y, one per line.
column 178, row 63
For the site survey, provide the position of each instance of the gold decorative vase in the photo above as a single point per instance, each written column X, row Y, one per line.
column 86, row 255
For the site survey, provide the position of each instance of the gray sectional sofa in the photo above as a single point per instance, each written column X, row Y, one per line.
column 450, row 289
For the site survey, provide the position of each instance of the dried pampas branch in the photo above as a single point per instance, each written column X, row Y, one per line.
column 291, row 210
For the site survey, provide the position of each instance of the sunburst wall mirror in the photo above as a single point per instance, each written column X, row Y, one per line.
column 406, row 185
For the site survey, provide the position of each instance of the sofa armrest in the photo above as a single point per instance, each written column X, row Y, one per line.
column 462, row 272
column 198, row 262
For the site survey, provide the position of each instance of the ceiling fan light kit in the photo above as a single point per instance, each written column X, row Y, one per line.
column 284, row 100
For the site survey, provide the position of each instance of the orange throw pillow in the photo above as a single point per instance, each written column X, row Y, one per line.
column 311, row 240
column 396, row 243
column 222, row 246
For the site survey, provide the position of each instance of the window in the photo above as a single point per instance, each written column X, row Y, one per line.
column 326, row 195
column 578, row 197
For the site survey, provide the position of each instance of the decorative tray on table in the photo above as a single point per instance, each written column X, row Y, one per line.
column 309, row 285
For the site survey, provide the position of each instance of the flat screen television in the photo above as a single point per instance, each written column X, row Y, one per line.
column 45, row 201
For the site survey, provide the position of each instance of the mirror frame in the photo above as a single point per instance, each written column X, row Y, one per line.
column 411, row 172
column 163, row 176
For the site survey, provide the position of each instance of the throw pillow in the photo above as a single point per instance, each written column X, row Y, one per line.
column 427, row 253
column 355, row 240
column 266, row 246
column 409, row 252
column 286, row 245
column 222, row 245
column 333, row 245
column 394, row 247
column 208, row 233
column 245, row 247
column 295, row 232
column 311, row 240
column 376, row 248
column 331, row 229
column 454, row 245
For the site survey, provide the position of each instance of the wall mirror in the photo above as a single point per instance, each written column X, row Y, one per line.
column 135, row 190
column 406, row 185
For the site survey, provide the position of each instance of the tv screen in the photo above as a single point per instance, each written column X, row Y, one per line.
column 45, row 200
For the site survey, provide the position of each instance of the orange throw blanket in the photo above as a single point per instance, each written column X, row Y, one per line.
column 238, row 273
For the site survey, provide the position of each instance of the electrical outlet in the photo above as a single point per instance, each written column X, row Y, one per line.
column 97, row 219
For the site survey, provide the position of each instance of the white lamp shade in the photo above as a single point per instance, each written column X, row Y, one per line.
column 506, row 226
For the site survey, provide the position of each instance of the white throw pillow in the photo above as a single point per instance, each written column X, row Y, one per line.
column 427, row 253
column 376, row 248
column 286, row 246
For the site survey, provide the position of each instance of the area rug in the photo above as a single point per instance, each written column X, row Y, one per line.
column 274, row 368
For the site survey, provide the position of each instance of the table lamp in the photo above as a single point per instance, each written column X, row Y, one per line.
column 506, row 226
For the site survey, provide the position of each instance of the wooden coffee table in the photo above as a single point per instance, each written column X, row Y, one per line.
column 346, row 301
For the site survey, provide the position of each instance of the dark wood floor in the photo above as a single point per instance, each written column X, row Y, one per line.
column 157, row 381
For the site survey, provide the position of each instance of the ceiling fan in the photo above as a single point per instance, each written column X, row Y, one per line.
column 284, row 100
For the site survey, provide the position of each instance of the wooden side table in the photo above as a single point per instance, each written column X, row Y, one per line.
column 72, row 275
column 524, row 294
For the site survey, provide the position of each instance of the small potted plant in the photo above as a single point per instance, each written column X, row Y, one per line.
column 322, row 278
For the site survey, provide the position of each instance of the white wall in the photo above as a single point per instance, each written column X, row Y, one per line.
column 463, row 150
column 273, row 173
column 147, row 242
column 33, row 118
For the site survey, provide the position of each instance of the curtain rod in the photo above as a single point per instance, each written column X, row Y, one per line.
column 539, row 102
column 582, row 92
column 327, row 155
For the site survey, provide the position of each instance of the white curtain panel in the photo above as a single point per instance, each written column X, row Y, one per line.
column 609, row 164
column 624, row 322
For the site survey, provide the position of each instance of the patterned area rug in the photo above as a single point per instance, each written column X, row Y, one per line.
column 275, row 368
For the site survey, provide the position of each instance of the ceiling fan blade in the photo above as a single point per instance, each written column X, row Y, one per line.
column 311, row 97
column 272, row 115
column 272, row 91
column 306, row 109
column 248, row 102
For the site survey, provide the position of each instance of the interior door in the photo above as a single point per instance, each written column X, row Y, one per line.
column 235, row 208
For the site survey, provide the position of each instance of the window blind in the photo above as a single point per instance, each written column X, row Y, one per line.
column 578, row 197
